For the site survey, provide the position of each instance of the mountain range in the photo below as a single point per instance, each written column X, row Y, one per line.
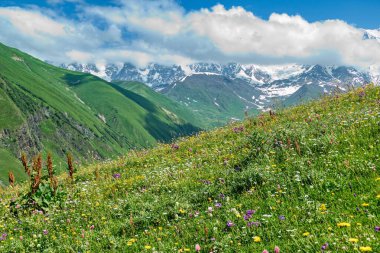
column 218, row 93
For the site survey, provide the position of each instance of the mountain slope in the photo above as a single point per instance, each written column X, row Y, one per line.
column 216, row 99
column 177, row 112
column 47, row 108
column 304, row 179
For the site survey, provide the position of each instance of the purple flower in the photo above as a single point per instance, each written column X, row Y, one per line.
column 116, row 175
column 377, row 229
column 222, row 196
column 3, row 237
column 238, row 129
column 230, row 224
column 281, row 217
column 253, row 223
column 324, row 246
column 175, row 146
column 250, row 212
column 45, row 231
column 218, row 205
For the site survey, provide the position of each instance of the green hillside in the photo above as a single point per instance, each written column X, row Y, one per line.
column 165, row 104
column 43, row 107
column 215, row 99
column 305, row 180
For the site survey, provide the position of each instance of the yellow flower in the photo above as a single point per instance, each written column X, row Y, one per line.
column 344, row 224
column 306, row 234
column 323, row 207
column 365, row 204
column 256, row 239
column 365, row 249
column 378, row 196
column 182, row 211
column 354, row 240
column 148, row 247
column 377, row 179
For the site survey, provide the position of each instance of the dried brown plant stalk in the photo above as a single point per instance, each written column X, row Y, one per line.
column 11, row 178
column 24, row 161
column 70, row 166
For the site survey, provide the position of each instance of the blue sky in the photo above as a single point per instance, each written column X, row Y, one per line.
column 184, row 31
column 361, row 13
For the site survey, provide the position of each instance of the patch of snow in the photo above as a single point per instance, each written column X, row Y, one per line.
column 101, row 116
column 16, row 58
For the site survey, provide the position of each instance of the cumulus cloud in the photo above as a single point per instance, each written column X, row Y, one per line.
column 162, row 31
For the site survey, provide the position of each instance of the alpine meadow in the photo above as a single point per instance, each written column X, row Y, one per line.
column 174, row 126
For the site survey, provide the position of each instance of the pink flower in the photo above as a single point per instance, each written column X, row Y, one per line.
column 276, row 249
column 92, row 227
column 197, row 248
column 265, row 251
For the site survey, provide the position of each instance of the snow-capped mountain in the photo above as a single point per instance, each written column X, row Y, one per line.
column 372, row 34
column 275, row 80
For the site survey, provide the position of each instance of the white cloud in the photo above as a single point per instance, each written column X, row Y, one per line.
column 161, row 31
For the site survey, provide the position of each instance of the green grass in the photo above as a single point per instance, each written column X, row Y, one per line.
column 305, row 172
column 43, row 107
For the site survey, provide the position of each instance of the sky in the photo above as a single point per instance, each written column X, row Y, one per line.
column 186, row 31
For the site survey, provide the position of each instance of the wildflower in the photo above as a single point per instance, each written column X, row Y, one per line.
column 377, row 229
column 92, row 227
column 256, row 239
column 116, row 175
column 230, row 224
column 218, row 205
column 253, row 223
column 148, row 247
column 197, row 247
column 353, row 240
column 365, row 249
column 209, row 209
column 323, row 208
column 45, row 231
column 306, row 234
column 265, row 251
column 281, row 217
column 175, row 146
column 276, row 249
column 378, row 196
column 324, row 246
column 344, row 224
column 365, row 204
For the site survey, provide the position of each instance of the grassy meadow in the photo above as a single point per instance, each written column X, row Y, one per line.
column 305, row 179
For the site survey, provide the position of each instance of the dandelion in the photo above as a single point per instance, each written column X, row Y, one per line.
column 365, row 249
column 323, row 208
column 197, row 247
column 256, row 239
column 306, row 234
column 353, row 240
column 344, row 224
column 148, row 247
